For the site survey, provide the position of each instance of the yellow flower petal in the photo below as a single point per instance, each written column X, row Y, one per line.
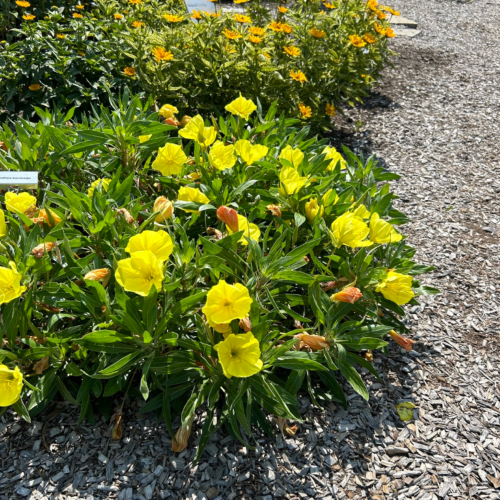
column 294, row 156
column 170, row 159
column 11, row 385
column 227, row 302
column 396, row 287
column 241, row 107
column 382, row 232
column 158, row 242
column 350, row 231
column 139, row 273
column 239, row 355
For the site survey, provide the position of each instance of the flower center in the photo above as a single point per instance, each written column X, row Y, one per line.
column 226, row 303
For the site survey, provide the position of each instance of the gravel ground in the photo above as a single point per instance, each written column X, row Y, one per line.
column 435, row 122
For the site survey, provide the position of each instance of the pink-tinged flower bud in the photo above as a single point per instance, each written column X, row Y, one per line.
column 403, row 341
column 349, row 294
column 172, row 121
column 315, row 342
column 39, row 250
column 246, row 324
column 275, row 210
column 214, row 232
column 96, row 274
column 164, row 206
column 229, row 217
column 179, row 443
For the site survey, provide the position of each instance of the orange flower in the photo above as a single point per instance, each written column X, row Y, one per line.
column 381, row 15
column 330, row 110
column 292, row 51
column 76, row 15
column 118, row 16
column 236, row 1
column 283, row 10
column 275, row 210
column 229, row 217
column 316, row 33
column 403, row 341
column 81, row 7
column 22, row 3
column 315, row 342
column 162, row 55
column 231, row 35
column 135, row 2
column 173, row 19
column 286, row 28
column 357, row 41
column 349, row 294
column 61, row 36
column 370, row 38
column 242, row 19
column 255, row 30
column 389, row 33
column 305, row 110
column 329, row 5
column 28, row 17
column 129, row 71
column 44, row 217
column 34, row 87
column 255, row 39
column 379, row 29
column 39, row 250
column 298, row 76
column 197, row 14
column 137, row 24
column 96, row 274
column 280, row 27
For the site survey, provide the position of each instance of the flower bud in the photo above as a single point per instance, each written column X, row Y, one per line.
column 315, row 342
column 3, row 146
column 184, row 121
column 126, row 215
column 179, row 443
column 229, row 217
column 275, row 210
column 246, row 324
column 172, row 121
column 369, row 356
column 164, row 206
column 96, row 274
column 403, row 341
column 349, row 294
column 39, row 250
column 312, row 209
column 214, row 232
column 44, row 217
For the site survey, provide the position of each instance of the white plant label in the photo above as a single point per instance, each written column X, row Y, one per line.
column 28, row 180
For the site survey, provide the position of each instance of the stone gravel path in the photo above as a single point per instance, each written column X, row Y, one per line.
column 435, row 121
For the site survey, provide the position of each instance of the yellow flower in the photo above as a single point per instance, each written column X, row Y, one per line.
column 231, row 34
column 249, row 152
column 22, row 3
column 192, row 194
column 396, row 288
column 10, row 283
column 197, row 14
column 227, row 302
column 34, row 87
column 290, row 181
column 11, row 384
column 221, row 157
column 255, row 39
column 283, row 10
column 28, row 17
column 144, row 138
column 197, row 131
column 251, row 231
column 80, row 7
column 170, row 159
column 137, row 24
column 241, row 107
column 329, row 5
column 350, row 231
column 330, row 110
column 239, row 355
column 292, row 51
column 118, row 16
column 298, row 76
column 172, row 18
column 357, row 41
column 294, row 156
column 61, row 36
column 104, row 186
column 161, row 54
column 255, row 30
column 332, row 154
column 22, row 202
column 382, row 232
column 129, row 71
column 381, row 15
column 168, row 111
column 312, row 208
column 379, row 29
column 237, row 1
column 361, row 211
column 135, row 2
column 316, row 33
column 370, row 38
column 305, row 110
column 140, row 272
column 242, row 19
column 158, row 242
column 3, row 225
column 76, row 15
column 389, row 33
column 165, row 207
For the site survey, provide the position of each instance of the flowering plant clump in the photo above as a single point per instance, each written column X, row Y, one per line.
column 312, row 57
column 215, row 284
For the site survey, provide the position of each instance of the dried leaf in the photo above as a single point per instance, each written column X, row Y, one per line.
column 41, row 365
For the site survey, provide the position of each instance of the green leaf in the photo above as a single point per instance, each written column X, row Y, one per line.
column 354, row 379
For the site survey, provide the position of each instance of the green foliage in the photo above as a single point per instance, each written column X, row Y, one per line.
column 99, row 341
